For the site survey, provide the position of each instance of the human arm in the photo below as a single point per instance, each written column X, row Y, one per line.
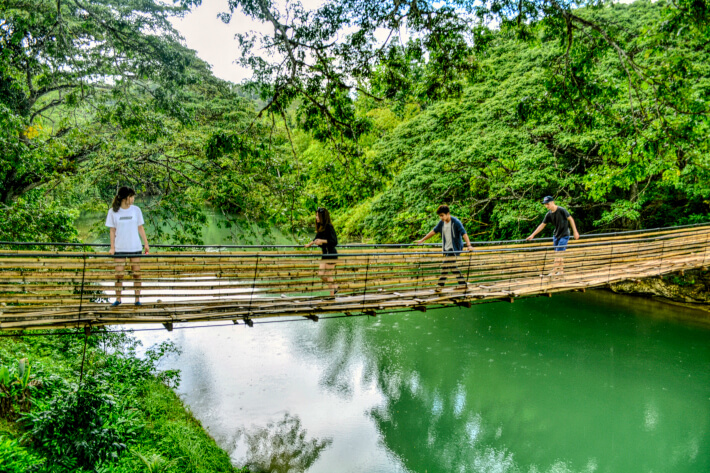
column 574, row 227
column 112, row 233
column 537, row 230
column 428, row 235
column 141, row 232
column 316, row 241
column 468, row 242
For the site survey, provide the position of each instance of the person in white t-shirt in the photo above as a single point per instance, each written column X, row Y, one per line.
column 125, row 221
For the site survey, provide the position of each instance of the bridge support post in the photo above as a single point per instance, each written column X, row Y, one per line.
column 466, row 304
column 168, row 326
column 370, row 312
column 248, row 321
column 312, row 317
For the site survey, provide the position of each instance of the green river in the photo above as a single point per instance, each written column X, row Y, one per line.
column 580, row 382
column 592, row 382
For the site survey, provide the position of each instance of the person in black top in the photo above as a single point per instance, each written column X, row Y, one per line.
column 562, row 221
column 327, row 240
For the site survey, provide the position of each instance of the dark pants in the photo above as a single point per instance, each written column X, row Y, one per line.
column 449, row 266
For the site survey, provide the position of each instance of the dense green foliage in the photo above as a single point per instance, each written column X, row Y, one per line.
column 536, row 122
column 605, row 107
column 123, row 417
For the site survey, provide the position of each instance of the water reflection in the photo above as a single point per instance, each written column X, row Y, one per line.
column 512, row 391
column 280, row 447
column 577, row 383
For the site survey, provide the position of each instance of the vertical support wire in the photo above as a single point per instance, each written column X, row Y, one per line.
column 87, row 331
column 611, row 258
column 253, row 284
column 468, row 271
column 542, row 273
column 364, row 290
column 81, row 294
column 510, row 272
column 662, row 259
column 416, row 281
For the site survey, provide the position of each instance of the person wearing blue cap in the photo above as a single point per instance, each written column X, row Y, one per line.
column 561, row 219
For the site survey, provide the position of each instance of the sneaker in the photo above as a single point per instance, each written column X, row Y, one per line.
column 116, row 304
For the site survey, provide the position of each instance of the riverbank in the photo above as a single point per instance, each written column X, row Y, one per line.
column 124, row 416
column 689, row 289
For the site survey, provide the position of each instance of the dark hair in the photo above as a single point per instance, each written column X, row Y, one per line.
column 324, row 219
column 123, row 193
column 443, row 209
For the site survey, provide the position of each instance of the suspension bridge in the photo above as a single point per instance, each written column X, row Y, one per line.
column 74, row 285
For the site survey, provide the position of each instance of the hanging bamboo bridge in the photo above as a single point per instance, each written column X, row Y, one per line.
column 73, row 285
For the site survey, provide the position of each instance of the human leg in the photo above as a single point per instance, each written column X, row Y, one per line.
column 326, row 271
column 119, row 277
column 450, row 266
column 560, row 245
column 136, row 274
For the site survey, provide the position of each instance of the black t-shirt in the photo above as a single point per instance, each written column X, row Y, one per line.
column 558, row 218
column 329, row 235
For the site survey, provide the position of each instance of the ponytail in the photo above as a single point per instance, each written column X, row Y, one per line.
column 123, row 194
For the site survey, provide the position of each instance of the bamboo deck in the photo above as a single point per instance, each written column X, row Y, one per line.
column 40, row 289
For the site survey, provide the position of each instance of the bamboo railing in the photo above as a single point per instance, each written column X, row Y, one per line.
column 64, row 288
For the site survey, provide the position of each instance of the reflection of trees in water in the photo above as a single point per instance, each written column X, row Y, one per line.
column 499, row 393
column 281, row 447
column 342, row 345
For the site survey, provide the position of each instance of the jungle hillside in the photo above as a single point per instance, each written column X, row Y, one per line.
column 379, row 111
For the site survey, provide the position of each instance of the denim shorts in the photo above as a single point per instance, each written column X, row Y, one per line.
column 560, row 244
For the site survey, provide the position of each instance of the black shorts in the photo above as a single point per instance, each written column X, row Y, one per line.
column 330, row 256
column 127, row 254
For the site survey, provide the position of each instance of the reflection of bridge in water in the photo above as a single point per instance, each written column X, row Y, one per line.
column 42, row 289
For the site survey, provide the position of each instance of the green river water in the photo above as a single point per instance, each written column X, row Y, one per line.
column 593, row 382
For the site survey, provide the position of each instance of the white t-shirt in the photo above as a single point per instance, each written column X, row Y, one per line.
column 448, row 236
column 126, row 222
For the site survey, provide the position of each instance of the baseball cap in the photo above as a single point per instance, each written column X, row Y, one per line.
column 547, row 199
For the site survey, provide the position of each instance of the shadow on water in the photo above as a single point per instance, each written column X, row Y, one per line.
column 279, row 447
column 580, row 383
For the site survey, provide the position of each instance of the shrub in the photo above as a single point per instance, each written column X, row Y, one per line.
column 16, row 459
column 81, row 428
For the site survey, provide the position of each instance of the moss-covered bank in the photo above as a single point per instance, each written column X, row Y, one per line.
column 123, row 417
column 689, row 289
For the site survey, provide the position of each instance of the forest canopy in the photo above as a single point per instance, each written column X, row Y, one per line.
column 380, row 111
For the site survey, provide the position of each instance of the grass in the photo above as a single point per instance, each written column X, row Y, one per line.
column 167, row 439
